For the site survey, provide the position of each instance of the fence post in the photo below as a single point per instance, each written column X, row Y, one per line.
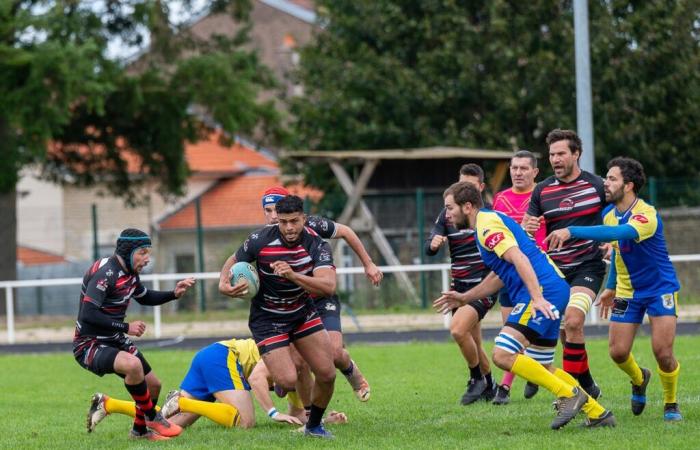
column 420, row 217
column 446, row 318
column 156, row 311
column 200, row 255
column 10, row 308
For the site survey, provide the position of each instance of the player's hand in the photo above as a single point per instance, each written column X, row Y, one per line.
column 136, row 328
column 373, row 274
column 543, row 306
column 336, row 417
column 283, row 269
column 437, row 242
column 607, row 250
column 448, row 301
column 556, row 238
column 286, row 418
column 531, row 224
column 182, row 286
column 605, row 302
column 234, row 291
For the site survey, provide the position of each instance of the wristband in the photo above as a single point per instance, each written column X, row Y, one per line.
column 272, row 412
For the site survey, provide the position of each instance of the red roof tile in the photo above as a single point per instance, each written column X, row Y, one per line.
column 32, row 257
column 211, row 156
column 231, row 203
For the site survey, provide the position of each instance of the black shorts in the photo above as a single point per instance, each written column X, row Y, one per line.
column 589, row 274
column 328, row 309
column 98, row 355
column 272, row 330
column 482, row 305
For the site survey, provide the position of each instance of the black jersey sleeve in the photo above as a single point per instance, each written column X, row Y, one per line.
column 321, row 255
column 534, row 209
column 439, row 229
column 91, row 314
column 98, row 286
column 324, row 227
column 152, row 298
column 248, row 251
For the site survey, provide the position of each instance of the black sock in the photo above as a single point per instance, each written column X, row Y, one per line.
column 489, row 381
column 475, row 372
column 315, row 416
column 347, row 372
column 307, row 410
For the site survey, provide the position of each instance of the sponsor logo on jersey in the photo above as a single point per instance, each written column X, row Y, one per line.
column 641, row 218
column 102, row 285
column 493, row 240
column 330, row 306
column 109, row 273
column 567, row 204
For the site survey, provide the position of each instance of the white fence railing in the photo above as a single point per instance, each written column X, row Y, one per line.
column 8, row 286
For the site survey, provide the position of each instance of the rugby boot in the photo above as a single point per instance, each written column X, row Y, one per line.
column 475, row 387
column 672, row 413
column 568, row 407
column 639, row 393
column 502, row 396
column 489, row 393
column 163, row 426
column 148, row 435
column 607, row 419
column 97, row 411
column 171, row 405
column 531, row 390
column 318, row 432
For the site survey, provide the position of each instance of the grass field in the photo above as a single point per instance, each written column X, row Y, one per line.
column 414, row 404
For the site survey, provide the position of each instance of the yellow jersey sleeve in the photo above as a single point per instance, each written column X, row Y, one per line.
column 493, row 234
column 645, row 221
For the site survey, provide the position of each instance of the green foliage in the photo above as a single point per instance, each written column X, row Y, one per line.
column 499, row 74
column 414, row 404
column 61, row 90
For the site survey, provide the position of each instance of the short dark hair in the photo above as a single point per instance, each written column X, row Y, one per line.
column 289, row 204
column 526, row 154
column 557, row 135
column 632, row 171
column 464, row 192
column 473, row 170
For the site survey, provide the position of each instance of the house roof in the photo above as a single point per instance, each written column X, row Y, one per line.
column 211, row 156
column 404, row 153
column 301, row 9
column 28, row 256
column 231, row 203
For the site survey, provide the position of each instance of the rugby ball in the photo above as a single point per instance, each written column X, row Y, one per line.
column 249, row 273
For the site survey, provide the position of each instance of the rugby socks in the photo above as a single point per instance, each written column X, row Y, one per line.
column 489, row 381
column 294, row 400
column 592, row 408
column 631, row 368
column 475, row 372
column 669, row 382
column 221, row 413
column 576, row 363
column 144, row 406
column 530, row 370
column 114, row 406
column 315, row 416
column 348, row 372
column 507, row 380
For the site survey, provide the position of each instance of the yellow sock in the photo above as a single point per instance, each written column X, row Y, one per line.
column 529, row 369
column 221, row 413
column 115, row 406
column 592, row 408
column 631, row 368
column 669, row 381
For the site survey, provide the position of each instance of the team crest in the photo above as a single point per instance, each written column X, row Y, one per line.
column 493, row 240
column 668, row 301
column 330, row 306
column 567, row 204
column 102, row 285
column 109, row 273
column 518, row 308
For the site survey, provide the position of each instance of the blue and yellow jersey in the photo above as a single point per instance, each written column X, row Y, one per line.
column 643, row 267
column 496, row 234
column 245, row 351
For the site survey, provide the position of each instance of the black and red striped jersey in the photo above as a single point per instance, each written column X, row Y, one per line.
column 579, row 203
column 265, row 246
column 467, row 266
column 110, row 290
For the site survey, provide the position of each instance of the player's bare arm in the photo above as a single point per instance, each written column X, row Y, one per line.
column 224, row 283
column 321, row 283
column 452, row 299
column 556, row 238
column 522, row 265
column 371, row 270
column 259, row 381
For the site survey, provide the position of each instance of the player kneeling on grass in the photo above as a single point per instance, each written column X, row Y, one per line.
column 525, row 346
column 642, row 280
column 217, row 386
column 101, row 345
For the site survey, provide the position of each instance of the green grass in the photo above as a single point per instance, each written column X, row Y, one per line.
column 414, row 404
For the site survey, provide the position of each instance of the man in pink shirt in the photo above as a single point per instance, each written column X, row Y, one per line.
column 514, row 202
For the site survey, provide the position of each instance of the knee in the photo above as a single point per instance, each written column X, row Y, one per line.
column 459, row 332
column 339, row 358
column 287, row 381
column 665, row 359
column 246, row 421
column 132, row 366
column 325, row 375
column 618, row 354
column 502, row 359
column 574, row 323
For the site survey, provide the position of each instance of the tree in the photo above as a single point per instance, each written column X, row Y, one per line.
column 62, row 92
column 501, row 74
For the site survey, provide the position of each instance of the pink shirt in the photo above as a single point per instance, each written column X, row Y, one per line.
column 514, row 205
